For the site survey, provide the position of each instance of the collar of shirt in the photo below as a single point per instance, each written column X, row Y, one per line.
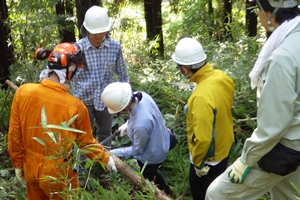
column 89, row 44
column 53, row 85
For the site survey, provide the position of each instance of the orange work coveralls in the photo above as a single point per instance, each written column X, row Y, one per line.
column 53, row 159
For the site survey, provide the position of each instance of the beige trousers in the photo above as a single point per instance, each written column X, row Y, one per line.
column 256, row 184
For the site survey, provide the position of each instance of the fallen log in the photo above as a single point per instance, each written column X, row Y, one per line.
column 127, row 171
column 11, row 84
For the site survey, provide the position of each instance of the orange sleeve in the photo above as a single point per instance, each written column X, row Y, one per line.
column 15, row 143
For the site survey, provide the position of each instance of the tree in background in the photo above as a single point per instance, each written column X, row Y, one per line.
column 251, row 19
column 81, row 7
column 6, row 54
column 66, row 27
column 227, row 18
column 153, row 18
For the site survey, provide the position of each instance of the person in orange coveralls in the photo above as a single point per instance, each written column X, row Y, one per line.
column 34, row 162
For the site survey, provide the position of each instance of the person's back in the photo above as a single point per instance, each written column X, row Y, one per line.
column 43, row 158
column 209, row 120
column 146, row 115
column 214, row 90
column 150, row 140
column 60, row 106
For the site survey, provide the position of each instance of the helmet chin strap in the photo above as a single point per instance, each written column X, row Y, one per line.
column 270, row 26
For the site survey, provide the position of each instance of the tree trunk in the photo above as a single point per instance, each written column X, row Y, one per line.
column 251, row 19
column 210, row 13
column 6, row 51
column 63, row 8
column 149, row 19
column 157, row 25
column 227, row 18
column 81, row 7
column 152, row 9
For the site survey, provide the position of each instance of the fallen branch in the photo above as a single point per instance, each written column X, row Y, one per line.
column 124, row 169
column 11, row 84
column 128, row 172
column 244, row 120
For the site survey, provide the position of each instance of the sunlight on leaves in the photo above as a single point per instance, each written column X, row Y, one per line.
column 297, row 190
column 44, row 118
column 39, row 141
column 52, row 136
column 64, row 128
column 64, row 124
column 71, row 120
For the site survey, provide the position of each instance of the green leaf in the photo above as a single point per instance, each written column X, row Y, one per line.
column 52, row 136
column 44, row 118
column 39, row 140
column 64, row 128
column 72, row 120
column 64, row 124
column 88, row 164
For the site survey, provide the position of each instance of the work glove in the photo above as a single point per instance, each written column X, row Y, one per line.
column 123, row 129
column 111, row 165
column 20, row 174
column 238, row 172
column 203, row 171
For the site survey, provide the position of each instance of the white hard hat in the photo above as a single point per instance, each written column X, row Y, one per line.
column 96, row 20
column 188, row 51
column 116, row 96
column 284, row 3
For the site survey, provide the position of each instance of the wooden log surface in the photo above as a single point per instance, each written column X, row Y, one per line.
column 128, row 172
column 124, row 169
column 11, row 84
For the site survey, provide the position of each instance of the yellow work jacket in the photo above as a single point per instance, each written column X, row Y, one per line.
column 25, row 124
column 209, row 118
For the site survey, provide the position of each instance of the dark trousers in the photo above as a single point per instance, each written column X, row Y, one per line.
column 199, row 185
column 103, row 121
column 152, row 173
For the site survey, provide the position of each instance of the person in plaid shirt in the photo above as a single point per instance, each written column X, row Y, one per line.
column 104, row 60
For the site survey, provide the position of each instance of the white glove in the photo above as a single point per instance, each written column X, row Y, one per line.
column 111, row 165
column 203, row 171
column 123, row 129
column 20, row 174
column 238, row 172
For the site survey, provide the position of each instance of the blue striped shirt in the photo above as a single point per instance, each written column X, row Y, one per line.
column 102, row 64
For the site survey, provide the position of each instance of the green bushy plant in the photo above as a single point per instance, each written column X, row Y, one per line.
column 6, row 97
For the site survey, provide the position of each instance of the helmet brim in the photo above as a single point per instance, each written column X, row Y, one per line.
column 97, row 31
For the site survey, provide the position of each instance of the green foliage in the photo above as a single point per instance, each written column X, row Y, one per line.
column 33, row 25
column 296, row 189
column 236, row 151
column 6, row 97
column 176, row 168
column 11, row 188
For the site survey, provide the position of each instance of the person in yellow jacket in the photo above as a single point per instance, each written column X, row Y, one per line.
column 47, row 169
column 209, row 118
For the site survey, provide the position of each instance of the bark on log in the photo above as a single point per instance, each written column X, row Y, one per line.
column 11, row 84
column 127, row 171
